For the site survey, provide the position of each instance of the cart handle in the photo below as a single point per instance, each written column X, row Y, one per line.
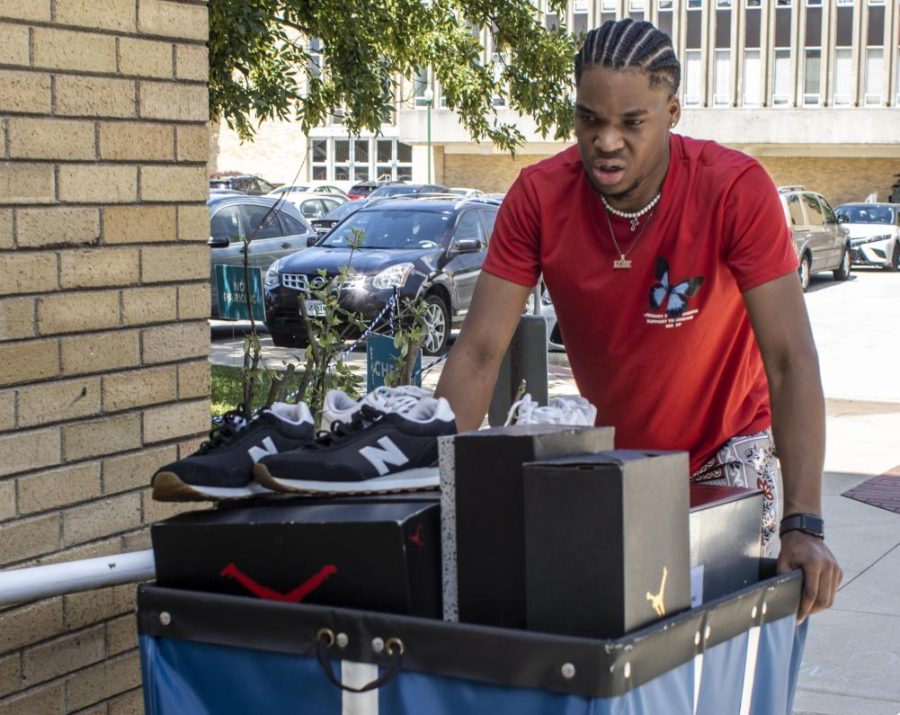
column 394, row 648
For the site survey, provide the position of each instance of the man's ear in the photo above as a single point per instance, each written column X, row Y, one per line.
column 674, row 111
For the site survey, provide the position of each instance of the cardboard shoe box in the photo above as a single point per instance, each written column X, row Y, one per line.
column 373, row 554
column 482, row 526
column 725, row 528
column 606, row 542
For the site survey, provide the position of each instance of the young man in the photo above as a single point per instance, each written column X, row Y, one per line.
column 674, row 280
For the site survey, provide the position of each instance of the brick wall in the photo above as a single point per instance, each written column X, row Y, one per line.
column 492, row 173
column 103, row 302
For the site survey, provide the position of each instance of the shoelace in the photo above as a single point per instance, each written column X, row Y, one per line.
column 361, row 419
column 527, row 411
column 233, row 423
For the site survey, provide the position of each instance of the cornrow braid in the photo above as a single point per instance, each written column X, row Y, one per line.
column 620, row 44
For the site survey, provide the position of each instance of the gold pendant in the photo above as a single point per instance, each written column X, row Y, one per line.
column 622, row 263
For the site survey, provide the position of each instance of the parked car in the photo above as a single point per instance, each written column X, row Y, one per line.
column 327, row 222
column 234, row 218
column 874, row 233
column 822, row 244
column 316, row 187
column 396, row 189
column 463, row 191
column 310, row 204
column 361, row 190
column 430, row 249
column 251, row 185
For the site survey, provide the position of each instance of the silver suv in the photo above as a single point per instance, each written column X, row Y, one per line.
column 822, row 244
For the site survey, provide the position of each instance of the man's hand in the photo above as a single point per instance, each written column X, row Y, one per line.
column 821, row 573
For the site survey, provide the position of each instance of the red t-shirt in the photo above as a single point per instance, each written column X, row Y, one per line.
column 665, row 349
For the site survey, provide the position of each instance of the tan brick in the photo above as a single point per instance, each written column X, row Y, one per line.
column 149, row 305
column 7, row 410
column 10, row 675
column 101, row 518
column 102, row 437
column 193, row 143
column 169, row 343
column 145, row 58
column 193, row 301
column 85, row 609
column 50, row 139
column 174, row 263
column 174, row 183
column 191, row 62
column 24, row 92
column 13, row 44
column 92, row 183
column 102, row 681
column 140, row 224
column 169, row 100
column 95, row 96
column 27, row 183
column 59, row 487
column 27, row 538
column 32, row 10
column 6, row 228
column 25, row 362
column 63, row 655
column 101, row 14
column 193, row 223
column 74, row 50
column 137, row 540
column 93, row 550
column 30, row 624
column 46, row 700
column 98, row 268
column 27, row 273
column 132, row 471
column 25, row 451
column 136, row 140
column 124, row 390
column 156, row 511
column 16, row 319
column 189, row 446
column 58, row 401
column 173, row 19
column 73, row 312
column 7, row 511
column 178, row 420
column 65, row 226
column 100, row 352
column 121, row 634
column 129, row 704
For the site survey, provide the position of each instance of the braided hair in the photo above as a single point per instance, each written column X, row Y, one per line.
column 621, row 44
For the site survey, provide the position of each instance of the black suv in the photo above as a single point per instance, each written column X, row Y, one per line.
column 251, row 185
column 427, row 248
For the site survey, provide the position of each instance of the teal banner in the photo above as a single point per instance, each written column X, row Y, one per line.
column 231, row 288
column 381, row 360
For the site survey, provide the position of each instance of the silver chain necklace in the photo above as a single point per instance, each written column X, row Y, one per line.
column 635, row 216
column 622, row 261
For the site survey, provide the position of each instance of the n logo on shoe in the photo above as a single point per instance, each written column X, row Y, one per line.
column 268, row 447
column 388, row 454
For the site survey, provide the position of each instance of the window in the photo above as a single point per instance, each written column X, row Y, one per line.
column 781, row 77
column 844, row 2
column 795, row 210
column 499, row 64
column 312, row 209
column 608, row 5
column 580, row 23
column 693, row 73
column 752, row 69
column 812, row 76
column 292, row 226
column 843, row 75
column 551, row 21
column 489, row 218
column 874, row 75
column 469, row 227
column 722, row 78
column 420, row 84
column 813, row 3
column 723, row 4
column 256, row 229
column 695, row 4
column 665, row 4
column 813, row 210
column 226, row 224
column 315, row 57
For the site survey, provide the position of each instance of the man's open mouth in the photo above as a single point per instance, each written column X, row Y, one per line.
column 608, row 173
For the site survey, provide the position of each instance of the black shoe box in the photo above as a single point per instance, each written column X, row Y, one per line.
column 726, row 540
column 606, row 542
column 379, row 554
column 483, row 532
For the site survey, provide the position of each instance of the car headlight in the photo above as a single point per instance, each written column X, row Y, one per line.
column 354, row 281
column 271, row 280
column 393, row 277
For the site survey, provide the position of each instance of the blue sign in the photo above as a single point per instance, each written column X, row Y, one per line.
column 381, row 360
column 231, row 289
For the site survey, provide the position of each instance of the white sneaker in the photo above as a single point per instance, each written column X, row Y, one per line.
column 567, row 410
column 339, row 407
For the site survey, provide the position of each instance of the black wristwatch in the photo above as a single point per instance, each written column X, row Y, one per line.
column 807, row 523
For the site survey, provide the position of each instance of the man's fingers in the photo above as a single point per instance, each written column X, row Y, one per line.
column 811, row 576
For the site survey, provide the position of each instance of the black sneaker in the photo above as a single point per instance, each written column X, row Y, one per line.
column 223, row 466
column 376, row 452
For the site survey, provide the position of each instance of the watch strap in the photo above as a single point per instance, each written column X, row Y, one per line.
column 807, row 523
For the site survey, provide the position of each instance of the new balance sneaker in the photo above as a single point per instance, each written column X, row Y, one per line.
column 565, row 410
column 377, row 451
column 223, row 466
column 339, row 407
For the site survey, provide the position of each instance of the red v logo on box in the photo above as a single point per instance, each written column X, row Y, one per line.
column 294, row 596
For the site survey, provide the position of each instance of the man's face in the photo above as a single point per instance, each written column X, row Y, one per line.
column 622, row 127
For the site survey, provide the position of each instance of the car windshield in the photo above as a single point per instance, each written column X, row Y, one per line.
column 866, row 214
column 392, row 228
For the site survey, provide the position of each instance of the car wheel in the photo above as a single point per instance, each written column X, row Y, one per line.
column 437, row 326
column 287, row 338
column 842, row 272
column 804, row 270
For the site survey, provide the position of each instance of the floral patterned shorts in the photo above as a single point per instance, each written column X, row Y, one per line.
column 749, row 461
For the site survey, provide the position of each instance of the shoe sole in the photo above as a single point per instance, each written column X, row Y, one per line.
column 168, row 486
column 411, row 480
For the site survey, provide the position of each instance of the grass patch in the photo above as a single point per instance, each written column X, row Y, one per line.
column 227, row 389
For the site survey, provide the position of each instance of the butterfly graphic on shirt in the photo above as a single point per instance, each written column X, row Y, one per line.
column 673, row 294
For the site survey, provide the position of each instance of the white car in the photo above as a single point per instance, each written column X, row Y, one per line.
column 874, row 233
column 311, row 204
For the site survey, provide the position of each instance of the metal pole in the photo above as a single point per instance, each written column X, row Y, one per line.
column 430, row 101
column 35, row 583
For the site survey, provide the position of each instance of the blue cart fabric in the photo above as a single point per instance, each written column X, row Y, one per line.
column 215, row 654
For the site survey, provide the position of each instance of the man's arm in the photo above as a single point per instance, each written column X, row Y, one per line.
column 778, row 314
column 468, row 378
